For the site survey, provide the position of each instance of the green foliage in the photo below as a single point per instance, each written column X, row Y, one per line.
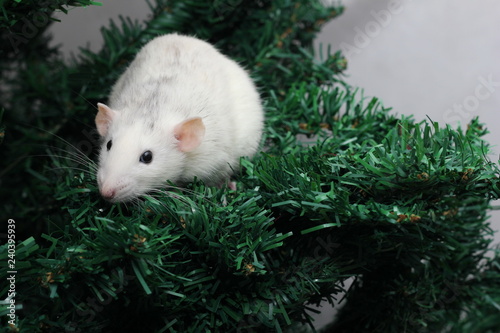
column 2, row 127
column 22, row 24
column 344, row 189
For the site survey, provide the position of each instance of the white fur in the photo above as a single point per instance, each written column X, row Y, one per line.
column 174, row 78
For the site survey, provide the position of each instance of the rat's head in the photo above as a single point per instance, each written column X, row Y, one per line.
column 137, row 157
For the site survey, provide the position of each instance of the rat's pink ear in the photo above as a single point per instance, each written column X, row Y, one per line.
column 104, row 118
column 190, row 133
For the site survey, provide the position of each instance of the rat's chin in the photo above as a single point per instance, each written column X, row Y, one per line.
column 119, row 198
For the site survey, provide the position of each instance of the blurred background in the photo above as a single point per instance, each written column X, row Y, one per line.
column 437, row 60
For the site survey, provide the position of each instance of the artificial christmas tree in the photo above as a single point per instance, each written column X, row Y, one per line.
column 397, row 205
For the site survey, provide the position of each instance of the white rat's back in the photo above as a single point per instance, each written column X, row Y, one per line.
column 175, row 78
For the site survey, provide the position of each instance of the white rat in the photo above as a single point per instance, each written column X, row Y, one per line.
column 180, row 110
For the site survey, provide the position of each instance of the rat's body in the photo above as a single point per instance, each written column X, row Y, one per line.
column 181, row 110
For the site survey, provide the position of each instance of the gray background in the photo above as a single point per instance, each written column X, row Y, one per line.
column 426, row 58
column 423, row 58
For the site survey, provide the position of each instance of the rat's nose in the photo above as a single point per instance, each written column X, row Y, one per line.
column 108, row 193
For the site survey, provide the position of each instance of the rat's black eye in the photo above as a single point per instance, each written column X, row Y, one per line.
column 109, row 144
column 146, row 157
